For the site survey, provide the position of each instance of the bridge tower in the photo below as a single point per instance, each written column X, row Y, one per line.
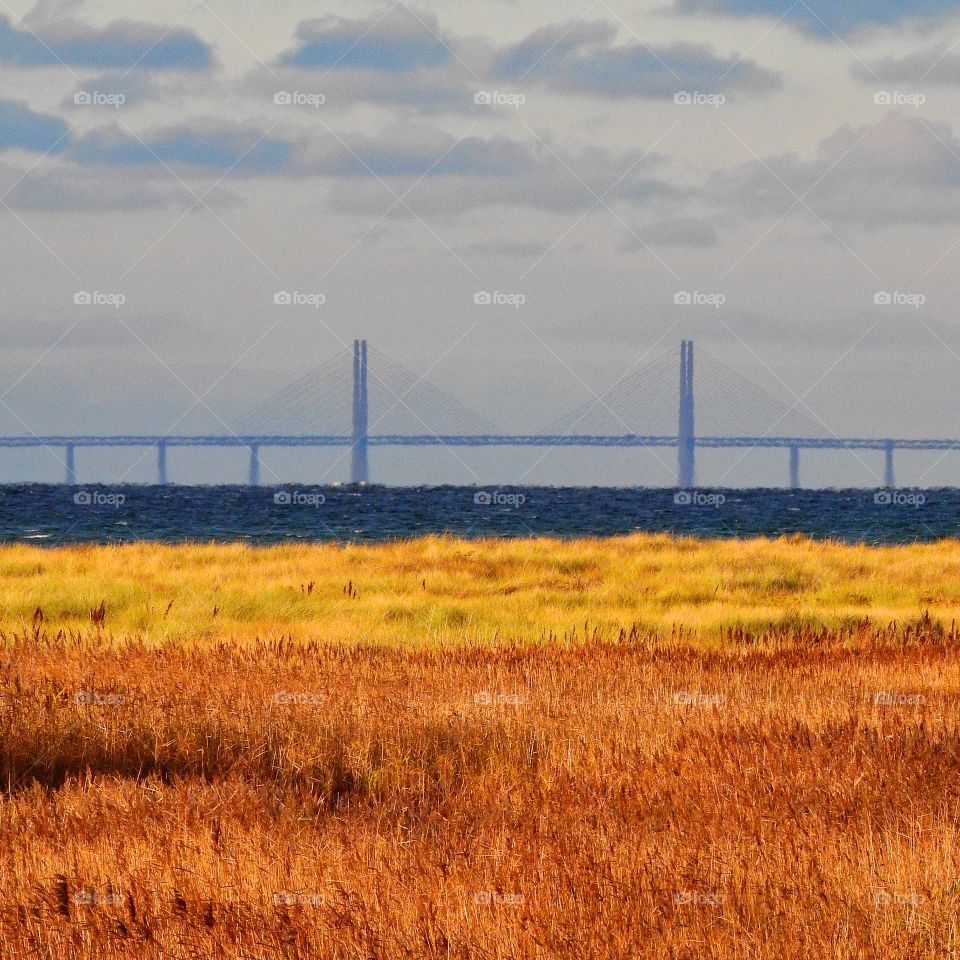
column 685, row 433
column 359, row 467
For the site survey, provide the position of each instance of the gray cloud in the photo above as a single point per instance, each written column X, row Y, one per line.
column 397, row 41
column 136, row 88
column 215, row 145
column 902, row 170
column 123, row 44
column 679, row 232
column 396, row 58
column 68, row 189
column 515, row 249
column 398, row 61
column 456, row 174
column 437, row 91
column 583, row 57
column 476, row 173
column 21, row 128
column 826, row 18
column 934, row 66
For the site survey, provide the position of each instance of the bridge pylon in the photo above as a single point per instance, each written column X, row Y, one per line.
column 686, row 474
column 359, row 465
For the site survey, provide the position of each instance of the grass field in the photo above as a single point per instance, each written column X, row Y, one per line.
column 496, row 749
column 441, row 590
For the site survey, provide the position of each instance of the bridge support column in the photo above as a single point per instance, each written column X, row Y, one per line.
column 71, row 466
column 794, row 467
column 888, row 480
column 359, row 466
column 162, row 463
column 686, row 473
column 254, row 465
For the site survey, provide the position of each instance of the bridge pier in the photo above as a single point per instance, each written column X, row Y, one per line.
column 162, row 463
column 794, row 467
column 71, row 466
column 888, row 469
column 254, row 465
column 686, row 442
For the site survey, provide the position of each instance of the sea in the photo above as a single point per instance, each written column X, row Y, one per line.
column 55, row 515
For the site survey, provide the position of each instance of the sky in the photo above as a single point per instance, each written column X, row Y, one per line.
column 779, row 182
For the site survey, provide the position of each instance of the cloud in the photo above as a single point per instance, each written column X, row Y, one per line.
column 456, row 175
column 902, row 170
column 825, row 18
column 507, row 249
column 396, row 42
column 67, row 188
column 21, row 128
column 135, row 88
column 398, row 60
column 934, row 66
column 416, row 152
column 583, row 58
column 123, row 44
column 679, row 232
column 213, row 146
column 493, row 172
column 439, row 91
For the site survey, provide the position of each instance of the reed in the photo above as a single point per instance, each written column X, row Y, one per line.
column 614, row 790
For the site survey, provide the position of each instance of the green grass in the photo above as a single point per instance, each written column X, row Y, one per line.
column 442, row 590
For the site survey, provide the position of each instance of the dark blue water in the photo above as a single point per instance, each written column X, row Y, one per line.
column 42, row 514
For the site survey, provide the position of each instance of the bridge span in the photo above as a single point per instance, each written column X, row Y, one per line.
column 359, row 439
column 255, row 443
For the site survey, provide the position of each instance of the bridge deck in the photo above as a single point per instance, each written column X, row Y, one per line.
column 480, row 440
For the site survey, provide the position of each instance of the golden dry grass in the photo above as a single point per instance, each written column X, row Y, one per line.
column 791, row 792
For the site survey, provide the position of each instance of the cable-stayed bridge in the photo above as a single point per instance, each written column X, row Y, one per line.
column 361, row 399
